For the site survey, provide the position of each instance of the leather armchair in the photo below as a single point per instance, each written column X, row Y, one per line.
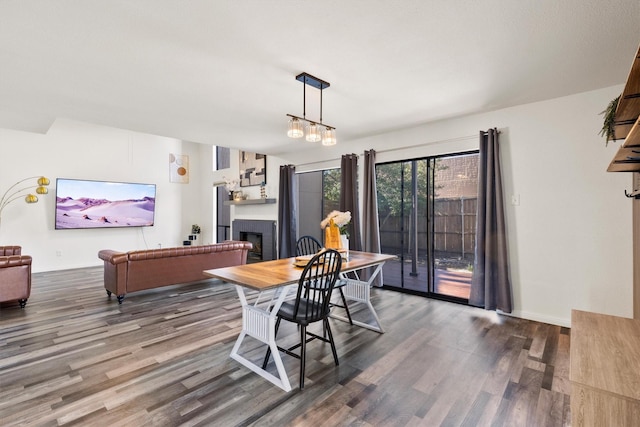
column 15, row 275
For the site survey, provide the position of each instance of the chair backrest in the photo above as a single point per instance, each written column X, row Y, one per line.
column 307, row 245
column 10, row 250
column 316, row 285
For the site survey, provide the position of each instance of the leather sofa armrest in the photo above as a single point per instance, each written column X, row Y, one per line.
column 15, row 260
column 115, row 271
column 113, row 257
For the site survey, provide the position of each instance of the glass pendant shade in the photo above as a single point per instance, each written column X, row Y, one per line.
column 31, row 198
column 42, row 190
column 295, row 129
column 329, row 137
column 313, row 133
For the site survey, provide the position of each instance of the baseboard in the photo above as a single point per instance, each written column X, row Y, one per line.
column 540, row 318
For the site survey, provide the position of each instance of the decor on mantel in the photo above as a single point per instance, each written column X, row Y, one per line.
column 229, row 184
column 13, row 194
column 314, row 134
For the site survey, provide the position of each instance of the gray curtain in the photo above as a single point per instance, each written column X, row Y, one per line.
column 349, row 197
column 490, row 285
column 370, row 226
column 287, row 212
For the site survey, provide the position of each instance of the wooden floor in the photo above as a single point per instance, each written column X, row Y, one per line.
column 74, row 357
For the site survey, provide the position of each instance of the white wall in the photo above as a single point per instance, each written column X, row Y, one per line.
column 258, row 211
column 570, row 238
column 84, row 151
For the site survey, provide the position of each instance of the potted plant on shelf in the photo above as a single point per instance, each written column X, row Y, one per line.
column 608, row 126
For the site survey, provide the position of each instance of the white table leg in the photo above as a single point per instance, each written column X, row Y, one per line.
column 360, row 291
column 259, row 323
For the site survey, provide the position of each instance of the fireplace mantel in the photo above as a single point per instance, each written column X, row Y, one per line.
column 250, row 202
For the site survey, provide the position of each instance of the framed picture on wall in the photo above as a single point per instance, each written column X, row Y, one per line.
column 179, row 168
column 253, row 169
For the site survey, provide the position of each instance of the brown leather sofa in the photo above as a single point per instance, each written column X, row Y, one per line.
column 126, row 272
column 15, row 275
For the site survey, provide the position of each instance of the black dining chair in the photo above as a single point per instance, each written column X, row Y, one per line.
column 309, row 245
column 312, row 304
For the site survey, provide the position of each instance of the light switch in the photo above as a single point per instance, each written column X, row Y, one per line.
column 515, row 199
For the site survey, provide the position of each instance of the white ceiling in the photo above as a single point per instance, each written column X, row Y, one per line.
column 223, row 72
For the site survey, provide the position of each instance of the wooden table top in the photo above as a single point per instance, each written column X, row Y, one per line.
column 272, row 274
column 605, row 353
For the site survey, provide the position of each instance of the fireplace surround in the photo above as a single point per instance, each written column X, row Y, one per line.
column 266, row 229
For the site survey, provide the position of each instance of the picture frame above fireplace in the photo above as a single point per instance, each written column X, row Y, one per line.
column 253, row 169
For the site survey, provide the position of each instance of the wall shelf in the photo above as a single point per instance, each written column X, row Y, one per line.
column 249, row 202
column 627, row 159
column 627, row 123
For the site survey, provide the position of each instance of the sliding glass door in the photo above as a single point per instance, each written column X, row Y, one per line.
column 402, row 211
column 426, row 212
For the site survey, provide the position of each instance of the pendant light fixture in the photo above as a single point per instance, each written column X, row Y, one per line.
column 314, row 133
column 329, row 136
column 295, row 128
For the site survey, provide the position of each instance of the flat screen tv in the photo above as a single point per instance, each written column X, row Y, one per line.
column 103, row 204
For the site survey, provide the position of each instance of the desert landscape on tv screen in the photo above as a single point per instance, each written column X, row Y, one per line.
column 98, row 204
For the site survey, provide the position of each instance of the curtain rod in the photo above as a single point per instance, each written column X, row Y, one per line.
column 423, row 144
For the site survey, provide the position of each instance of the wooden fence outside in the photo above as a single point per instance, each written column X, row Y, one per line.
column 454, row 229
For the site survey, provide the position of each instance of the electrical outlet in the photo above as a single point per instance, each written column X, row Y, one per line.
column 515, row 199
column 58, row 253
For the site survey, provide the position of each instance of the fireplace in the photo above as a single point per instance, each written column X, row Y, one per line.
column 261, row 233
column 255, row 254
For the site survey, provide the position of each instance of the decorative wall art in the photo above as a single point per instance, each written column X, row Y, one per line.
column 179, row 168
column 253, row 169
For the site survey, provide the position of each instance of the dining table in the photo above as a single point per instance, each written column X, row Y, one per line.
column 262, row 287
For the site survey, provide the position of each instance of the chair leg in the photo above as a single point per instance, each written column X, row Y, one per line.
column 266, row 356
column 346, row 307
column 303, row 353
column 333, row 345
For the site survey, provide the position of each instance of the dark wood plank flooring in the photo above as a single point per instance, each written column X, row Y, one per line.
column 74, row 357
